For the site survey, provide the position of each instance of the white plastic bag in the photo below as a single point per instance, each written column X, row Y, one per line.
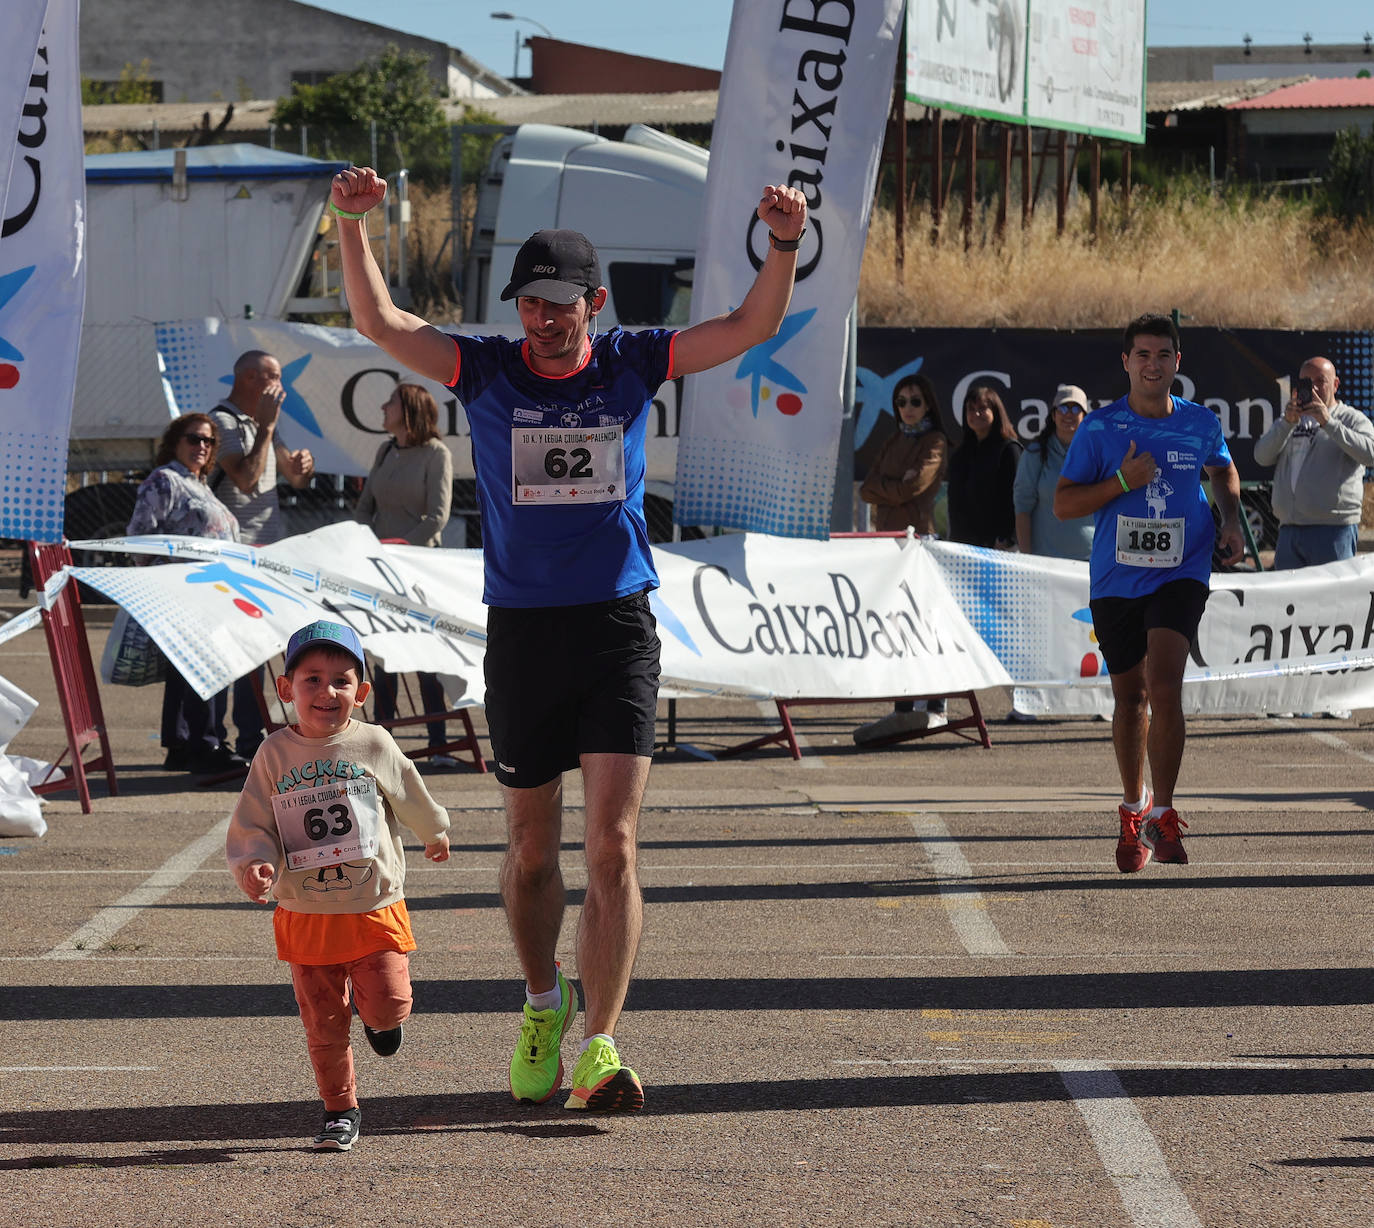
column 20, row 809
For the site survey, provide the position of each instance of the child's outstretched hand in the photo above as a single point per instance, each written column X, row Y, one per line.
column 257, row 880
column 437, row 850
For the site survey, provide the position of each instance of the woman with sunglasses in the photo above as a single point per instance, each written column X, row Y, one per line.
column 902, row 484
column 905, row 476
column 175, row 498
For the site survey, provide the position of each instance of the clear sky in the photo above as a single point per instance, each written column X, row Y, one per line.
column 695, row 31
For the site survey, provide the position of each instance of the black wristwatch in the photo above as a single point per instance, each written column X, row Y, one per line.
column 786, row 245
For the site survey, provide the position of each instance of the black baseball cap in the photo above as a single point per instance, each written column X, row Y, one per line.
column 558, row 265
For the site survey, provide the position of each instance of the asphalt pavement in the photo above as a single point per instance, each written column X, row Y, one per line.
column 896, row 986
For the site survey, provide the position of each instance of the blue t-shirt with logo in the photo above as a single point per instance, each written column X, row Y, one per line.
column 1136, row 546
column 560, row 467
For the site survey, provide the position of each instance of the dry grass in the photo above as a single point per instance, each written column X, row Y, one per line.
column 1234, row 261
column 1237, row 261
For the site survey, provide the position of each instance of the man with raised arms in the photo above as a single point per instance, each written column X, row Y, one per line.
column 558, row 424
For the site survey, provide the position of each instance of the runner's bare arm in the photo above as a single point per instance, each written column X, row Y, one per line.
column 1225, row 481
column 1075, row 499
column 407, row 338
column 758, row 317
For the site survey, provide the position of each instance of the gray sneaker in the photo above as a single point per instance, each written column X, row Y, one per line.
column 893, row 725
column 340, row 1130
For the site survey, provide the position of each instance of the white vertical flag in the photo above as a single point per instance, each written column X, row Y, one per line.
column 42, row 260
column 803, row 101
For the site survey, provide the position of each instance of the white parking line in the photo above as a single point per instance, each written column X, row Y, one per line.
column 1149, row 1062
column 91, row 937
column 1330, row 739
column 68, row 1069
column 1132, row 1158
column 972, row 924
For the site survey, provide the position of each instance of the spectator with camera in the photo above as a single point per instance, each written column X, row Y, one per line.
column 1319, row 448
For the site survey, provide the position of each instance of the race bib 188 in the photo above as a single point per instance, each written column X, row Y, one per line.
column 1141, row 542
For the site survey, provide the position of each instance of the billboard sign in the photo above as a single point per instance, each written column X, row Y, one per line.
column 1067, row 64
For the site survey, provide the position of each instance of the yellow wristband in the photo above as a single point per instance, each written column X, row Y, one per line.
column 357, row 217
column 1125, row 485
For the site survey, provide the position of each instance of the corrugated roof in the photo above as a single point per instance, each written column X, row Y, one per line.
column 207, row 162
column 1209, row 95
column 686, row 106
column 1326, row 93
column 611, row 110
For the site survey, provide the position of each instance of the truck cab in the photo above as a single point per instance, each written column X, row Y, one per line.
column 639, row 201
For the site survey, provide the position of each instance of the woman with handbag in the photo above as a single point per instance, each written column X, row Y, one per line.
column 175, row 498
column 406, row 498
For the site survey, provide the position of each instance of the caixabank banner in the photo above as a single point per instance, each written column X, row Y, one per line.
column 1242, row 375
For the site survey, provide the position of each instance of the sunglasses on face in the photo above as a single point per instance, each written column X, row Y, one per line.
column 1070, row 408
column 913, row 402
column 198, row 440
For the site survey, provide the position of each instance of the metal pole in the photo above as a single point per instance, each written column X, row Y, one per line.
column 937, row 172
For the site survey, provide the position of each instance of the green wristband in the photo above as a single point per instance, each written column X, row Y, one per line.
column 1125, row 485
column 357, row 217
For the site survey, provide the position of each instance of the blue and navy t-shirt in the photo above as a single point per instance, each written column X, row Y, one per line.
column 1133, row 532
column 560, row 467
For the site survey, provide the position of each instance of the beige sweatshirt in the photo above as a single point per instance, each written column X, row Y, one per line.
column 287, row 762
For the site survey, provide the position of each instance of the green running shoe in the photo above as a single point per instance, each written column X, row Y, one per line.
column 601, row 1084
column 536, row 1066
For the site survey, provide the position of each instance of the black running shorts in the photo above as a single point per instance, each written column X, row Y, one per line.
column 1123, row 624
column 567, row 681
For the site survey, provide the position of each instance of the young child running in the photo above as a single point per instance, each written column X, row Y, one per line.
column 317, row 824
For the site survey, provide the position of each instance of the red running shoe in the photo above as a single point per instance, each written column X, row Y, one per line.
column 1131, row 853
column 1161, row 837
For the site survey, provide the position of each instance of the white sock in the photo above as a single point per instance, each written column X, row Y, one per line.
column 1156, row 812
column 549, row 1000
column 1135, row 807
column 599, row 1036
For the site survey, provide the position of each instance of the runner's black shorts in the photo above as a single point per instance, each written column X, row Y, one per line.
column 1123, row 624
column 567, row 681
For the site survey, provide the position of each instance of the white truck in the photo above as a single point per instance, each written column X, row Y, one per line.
column 235, row 232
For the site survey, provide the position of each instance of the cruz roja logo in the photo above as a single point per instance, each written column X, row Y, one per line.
column 760, row 363
column 10, row 354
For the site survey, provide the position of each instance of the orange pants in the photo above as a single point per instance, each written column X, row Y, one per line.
column 380, row 985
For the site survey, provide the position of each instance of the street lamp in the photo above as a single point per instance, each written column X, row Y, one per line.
column 531, row 21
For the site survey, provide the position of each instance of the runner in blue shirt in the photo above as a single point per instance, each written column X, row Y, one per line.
column 1136, row 466
column 558, row 422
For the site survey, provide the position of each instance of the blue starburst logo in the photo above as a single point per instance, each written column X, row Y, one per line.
column 10, row 285
column 874, row 395
column 760, row 363
column 294, row 406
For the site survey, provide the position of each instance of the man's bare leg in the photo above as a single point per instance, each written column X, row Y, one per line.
column 1130, row 727
column 1165, row 662
column 612, row 916
column 531, row 879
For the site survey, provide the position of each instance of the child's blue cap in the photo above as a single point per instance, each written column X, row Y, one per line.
column 328, row 635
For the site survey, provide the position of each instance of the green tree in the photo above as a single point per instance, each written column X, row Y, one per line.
column 135, row 85
column 396, row 92
column 1349, row 180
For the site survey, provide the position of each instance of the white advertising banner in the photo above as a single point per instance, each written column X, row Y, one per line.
column 254, row 599
column 42, row 262
column 336, row 382
column 741, row 615
column 968, row 55
column 1085, row 67
column 803, row 101
column 749, row 616
column 1290, row 641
